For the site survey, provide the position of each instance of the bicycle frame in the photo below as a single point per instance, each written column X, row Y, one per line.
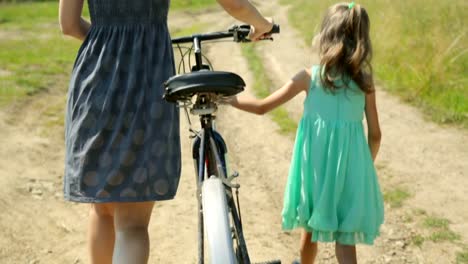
column 209, row 149
column 204, row 143
column 209, row 141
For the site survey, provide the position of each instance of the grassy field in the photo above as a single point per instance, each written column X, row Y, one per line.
column 192, row 4
column 34, row 55
column 420, row 50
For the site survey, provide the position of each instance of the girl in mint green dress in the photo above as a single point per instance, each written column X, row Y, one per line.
column 332, row 191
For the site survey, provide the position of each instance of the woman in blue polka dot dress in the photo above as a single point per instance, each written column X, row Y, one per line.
column 122, row 138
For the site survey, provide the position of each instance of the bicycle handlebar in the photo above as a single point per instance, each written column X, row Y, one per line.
column 239, row 32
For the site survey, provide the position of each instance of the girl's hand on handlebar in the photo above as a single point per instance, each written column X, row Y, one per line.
column 261, row 32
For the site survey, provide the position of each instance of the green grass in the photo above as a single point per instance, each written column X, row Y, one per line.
column 396, row 197
column 33, row 52
column 462, row 257
column 440, row 230
column 417, row 240
column 436, row 229
column 435, row 222
column 189, row 30
column 444, row 235
column 420, row 50
column 30, row 15
column 262, row 86
column 192, row 4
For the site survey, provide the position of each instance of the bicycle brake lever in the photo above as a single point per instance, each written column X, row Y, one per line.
column 240, row 32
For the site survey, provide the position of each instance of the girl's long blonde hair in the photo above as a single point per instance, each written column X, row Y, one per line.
column 345, row 47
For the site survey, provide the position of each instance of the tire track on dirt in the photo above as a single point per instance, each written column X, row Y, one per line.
column 430, row 160
column 262, row 167
column 37, row 226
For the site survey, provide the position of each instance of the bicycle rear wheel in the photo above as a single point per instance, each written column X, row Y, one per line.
column 216, row 222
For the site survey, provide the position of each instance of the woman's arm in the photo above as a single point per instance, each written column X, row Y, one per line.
column 71, row 22
column 300, row 82
column 373, row 128
column 244, row 11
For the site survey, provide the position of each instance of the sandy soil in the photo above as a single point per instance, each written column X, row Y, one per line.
column 426, row 159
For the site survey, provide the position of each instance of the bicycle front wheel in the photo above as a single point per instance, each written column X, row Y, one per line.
column 216, row 222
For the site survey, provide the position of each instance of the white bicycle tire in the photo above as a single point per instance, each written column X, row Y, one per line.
column 216, row 222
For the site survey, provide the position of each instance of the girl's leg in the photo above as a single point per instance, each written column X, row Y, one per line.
column 308, row 248
column 131, row 222
column 345, row 254
column 101, row 233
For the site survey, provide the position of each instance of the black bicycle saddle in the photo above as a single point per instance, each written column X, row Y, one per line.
column 184, row 86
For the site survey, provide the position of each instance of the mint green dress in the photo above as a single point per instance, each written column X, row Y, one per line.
column 332, row 189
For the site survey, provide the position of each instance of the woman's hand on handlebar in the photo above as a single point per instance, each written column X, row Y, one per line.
column 262, row 31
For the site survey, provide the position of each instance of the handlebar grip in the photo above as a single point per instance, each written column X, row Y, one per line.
column 275, row 29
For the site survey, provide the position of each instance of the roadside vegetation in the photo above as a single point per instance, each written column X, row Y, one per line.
column 35, row 56
column 396, row 197
column 262, row 87
column 33, row 53
column 192, row 4
column 420, row 50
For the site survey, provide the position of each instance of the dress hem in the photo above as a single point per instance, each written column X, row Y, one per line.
column 329, row 236
column 120, row 200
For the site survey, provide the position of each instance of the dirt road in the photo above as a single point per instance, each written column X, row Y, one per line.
column 426, row 160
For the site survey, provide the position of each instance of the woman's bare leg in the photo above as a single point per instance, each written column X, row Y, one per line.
column 101, row 234
column 308, row 248
column 131, row 222
column 345, row 254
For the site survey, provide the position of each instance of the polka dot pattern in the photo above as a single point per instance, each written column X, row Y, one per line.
column 91, row 178
column 161, row 186
column 122, row 141
column 158, row 148
column 129, row 158
column 140, row 175
column 128, row 193
column 115, row 178
column 102, row 194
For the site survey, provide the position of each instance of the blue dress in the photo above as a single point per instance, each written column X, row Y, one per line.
column 122, row 138
column 332, row 189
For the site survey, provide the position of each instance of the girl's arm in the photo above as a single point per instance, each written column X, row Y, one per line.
column 244, row 11
column 300, row 82
column 373, row 128
column 71, row 22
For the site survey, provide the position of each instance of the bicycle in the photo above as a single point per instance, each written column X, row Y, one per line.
column 218, row 214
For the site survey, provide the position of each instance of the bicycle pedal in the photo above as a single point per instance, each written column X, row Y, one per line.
column 277, row 261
